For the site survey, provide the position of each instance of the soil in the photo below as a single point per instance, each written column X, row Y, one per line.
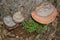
column 19, row 32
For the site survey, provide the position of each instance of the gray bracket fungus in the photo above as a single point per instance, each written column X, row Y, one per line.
column 9, row 21
column 18, row 17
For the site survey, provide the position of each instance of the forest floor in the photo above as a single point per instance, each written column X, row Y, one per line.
column 52, row 32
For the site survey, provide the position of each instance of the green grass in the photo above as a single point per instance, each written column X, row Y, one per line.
column 58, row 26
column 32, row 26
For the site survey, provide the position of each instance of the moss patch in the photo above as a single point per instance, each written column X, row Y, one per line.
column 32, row 26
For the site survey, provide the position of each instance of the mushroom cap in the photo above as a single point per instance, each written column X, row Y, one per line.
column 45, row 13
column 18, row 17
column 8, row 21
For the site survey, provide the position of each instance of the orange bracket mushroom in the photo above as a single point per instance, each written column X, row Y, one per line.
column 44, row 13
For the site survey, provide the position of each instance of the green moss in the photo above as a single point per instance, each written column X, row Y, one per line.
column 58, row 5
column 58, row 26
column 0, row 38
column 32, row 26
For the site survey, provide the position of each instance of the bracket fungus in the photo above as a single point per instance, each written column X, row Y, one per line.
column 8, row 21
column 18, row 17
column 44, row 13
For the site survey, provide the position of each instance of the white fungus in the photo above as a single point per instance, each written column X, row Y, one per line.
column 8, row 21
column 17, row 17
